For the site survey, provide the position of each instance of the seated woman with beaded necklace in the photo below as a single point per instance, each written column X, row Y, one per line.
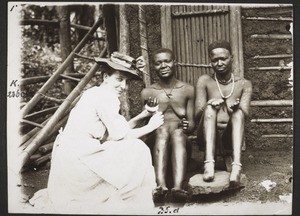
column 222, row 101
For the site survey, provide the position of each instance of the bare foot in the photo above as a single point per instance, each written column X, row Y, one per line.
column 179, row 195
column 209, row 170
column 235, row 174
column 159, row 194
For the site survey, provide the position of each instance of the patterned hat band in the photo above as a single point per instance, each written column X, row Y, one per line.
column 122, row 62
column 122, row 59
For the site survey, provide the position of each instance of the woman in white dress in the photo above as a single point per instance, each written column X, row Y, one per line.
column 99, row 164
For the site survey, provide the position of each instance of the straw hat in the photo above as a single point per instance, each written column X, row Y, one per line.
column 121, row 62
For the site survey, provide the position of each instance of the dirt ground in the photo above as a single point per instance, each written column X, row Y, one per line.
column 258, row 166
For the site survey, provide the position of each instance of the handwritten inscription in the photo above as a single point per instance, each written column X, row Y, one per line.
column 167, row 210
column 13, row 7
column 14, row 91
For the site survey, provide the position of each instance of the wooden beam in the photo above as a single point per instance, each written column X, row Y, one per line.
column 46, row 97
column 41, row 112
column 279, row 120
column 197, row 13
column 279, row 68
column 265, row 103
column 277, row 136
column 51, row 22
column 69, row 77
column 273, row 56
column 84, row 57
column 194, row 65
column 272, row 36
column 39, row 22
column 38, row 79
column 254, row 6
column 46, row 148
column 31, row 123
column 42, row 159
column 269, row 18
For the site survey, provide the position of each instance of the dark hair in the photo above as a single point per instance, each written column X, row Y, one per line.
column 108, row 70
column 219, row 44
column 163, row 50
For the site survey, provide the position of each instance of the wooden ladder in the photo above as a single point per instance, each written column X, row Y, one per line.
column 31, row 141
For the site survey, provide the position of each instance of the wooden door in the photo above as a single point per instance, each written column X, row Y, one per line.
column 189, row 29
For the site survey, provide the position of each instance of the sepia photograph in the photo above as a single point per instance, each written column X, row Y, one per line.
column 150, row 108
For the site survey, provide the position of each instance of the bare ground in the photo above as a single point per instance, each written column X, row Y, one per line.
column 258, row 166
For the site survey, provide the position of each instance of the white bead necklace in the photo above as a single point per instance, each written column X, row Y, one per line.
column 232, row 88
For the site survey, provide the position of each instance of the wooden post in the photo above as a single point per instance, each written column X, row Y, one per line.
column 177, row 46
column 65, row 44
column 109, row 14
column 124, row 47
column 144, row 44
column 166, row 26
column 236, row 41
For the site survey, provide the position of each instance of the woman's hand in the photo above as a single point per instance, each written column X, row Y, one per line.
column 156, row 120
column 184, row 124
column 151, row 106
column 233, row 107
column 215, row 103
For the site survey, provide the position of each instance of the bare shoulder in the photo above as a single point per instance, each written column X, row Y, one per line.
column 150, row 90
column 203, row 80
column 244, row 82
column 145, row 92
column 184, row 84
column 187, row 88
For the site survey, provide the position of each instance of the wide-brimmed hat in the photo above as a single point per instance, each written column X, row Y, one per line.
column 121, row 62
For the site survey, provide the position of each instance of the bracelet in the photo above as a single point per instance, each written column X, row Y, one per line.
column 209, row 161
column 151, row 109
column 236, row 163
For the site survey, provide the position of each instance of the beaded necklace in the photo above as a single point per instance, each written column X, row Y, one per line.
column 232, row 88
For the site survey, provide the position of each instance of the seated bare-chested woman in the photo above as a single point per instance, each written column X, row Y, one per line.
column 176, row 101
column 222, row 101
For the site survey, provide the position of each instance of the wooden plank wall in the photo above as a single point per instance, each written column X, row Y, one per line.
column 194, row 27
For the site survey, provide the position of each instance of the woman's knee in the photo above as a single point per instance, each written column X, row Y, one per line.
column 162, row 132
column 209, row 113
column 179, row 138
column 162, row 138
column 238, row 116
column 178, row 133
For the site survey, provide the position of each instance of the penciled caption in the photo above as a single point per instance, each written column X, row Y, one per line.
column 14, row 91
column 167, row 210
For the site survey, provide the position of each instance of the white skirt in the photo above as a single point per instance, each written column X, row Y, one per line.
column 89, row 177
